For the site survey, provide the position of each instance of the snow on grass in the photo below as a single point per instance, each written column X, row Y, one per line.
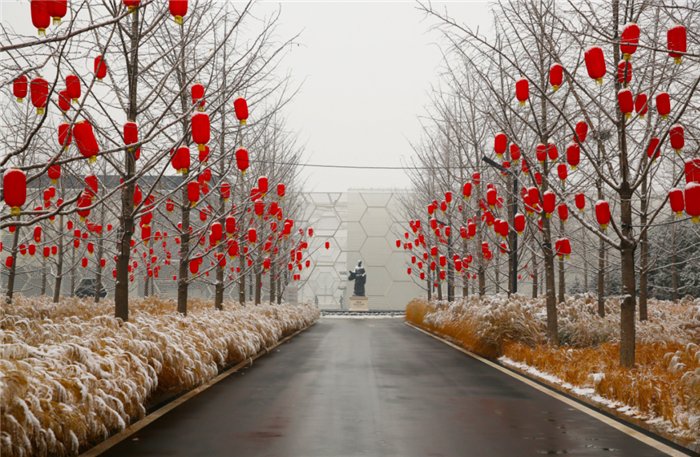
column 71, row 374
column 663, row 389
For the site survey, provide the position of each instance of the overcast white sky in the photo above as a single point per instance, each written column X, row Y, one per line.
column 366, row 68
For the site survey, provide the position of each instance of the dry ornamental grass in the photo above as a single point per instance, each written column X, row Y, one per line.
column 71, row 374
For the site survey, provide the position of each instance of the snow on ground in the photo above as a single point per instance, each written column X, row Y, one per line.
column 663, row 389
column 71, row 374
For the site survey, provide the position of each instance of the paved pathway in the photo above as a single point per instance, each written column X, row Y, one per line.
column 374, row 387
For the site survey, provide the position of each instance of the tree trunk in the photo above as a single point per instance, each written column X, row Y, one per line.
column 98, row 264
column 552, row 324
column 59, row 263
column 272, row 282
column 674, row 265
column 535, row 275
column 43, row 275
column 72, row 272
column 13, row 269
column 258, row 288
column 450, row 269
column 183, row 273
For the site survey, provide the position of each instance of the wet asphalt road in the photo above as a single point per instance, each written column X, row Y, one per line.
column 373, row 387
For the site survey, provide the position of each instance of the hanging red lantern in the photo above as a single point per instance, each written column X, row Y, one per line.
column 138, row 195
column 654, row 148
column 54, row 172
column 677, row 136
column 64, row 135
column 178, row 9
column 85, row 140
column 197, row 92
column 500, row 143
column 225, row 191
column 514, row 152
column 73, row 87
column 491, row 197
column 14, row 183
column 281, row 190
column 629, row 39
column 203, row 154
column 580, row 201
column 100, row 67
column 180, row 160
column 39, row 91
column 663, row 104
column 563, row 212
column 91, row 184
column 595, row 63
column 193, row 192
column 253, row 236
column 625, row 101
column 602, row 213
column 573, row 155
column 624, row 72
column 41, row 17
column 556, row 76
column 549, row 201
column 541, row 152
column 20, row 87
column 201, row 129
column 692, row 201
column 677, row 42
column 675, row 198
column 9, row 261
column 580, row 131
column 552, row 152
column 562, row 171
column 519, row 223
column 259, row 208
column 240, row 106
column 640, row 104
column 83, row 204
column 522, row 91
column 131, row 135
column 692, row 170
column 217, row 232
column 263, row 184
column 169, row 205
column 63, row 101
column 242, row 161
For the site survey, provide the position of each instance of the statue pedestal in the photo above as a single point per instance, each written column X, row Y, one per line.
column 358, row 303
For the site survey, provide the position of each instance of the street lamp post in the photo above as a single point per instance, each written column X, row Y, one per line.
column 513, row 286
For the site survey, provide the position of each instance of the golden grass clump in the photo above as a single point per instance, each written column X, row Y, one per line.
column 664, row 385
column 71, row 374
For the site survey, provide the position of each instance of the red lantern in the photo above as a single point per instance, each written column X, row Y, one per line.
column 259, row 208
column 198, row 95
column 14, row 183
column 73, row 87
column 178, row 9
column 640, row 104
column 624, row 72
column 514, row 152
column 85, row 140
column 541, row 152
column 242, row 161
column 552, row 151
column 519, row 223
column 580, row 201
column 131, row 134
column 602, row 213
column 549, row 201
column 253, row 235
column 180, row 160
column 92, row 184
column 240, row 106
column 654, row 148
column 491, row 197
column 54, row 172
column 63, row 101
column 556, row 76
column 201, row 129
column 64, row 135
column 193, row 192
column 281, row 190
column 692, row 201
column 580, row 131
column 225, row 191
column 100, row 67
column 629, row 39
column 467, row 190
column 39, row 91
column 677, row 137
column 692, row 170
column 263, row 184
column 500, row 143
column 562, row 171
column 663, row 104
column 625, row 102
column 563, row 212
column 676, row 41
column 573, row 155
column 20, row 87
column 41, row 17
column 522, row 91
column 675, row 198
column 9, row 261
column 169, row 205
column 84, row 203
column 595, row 63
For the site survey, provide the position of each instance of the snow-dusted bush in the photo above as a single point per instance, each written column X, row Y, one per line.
column 71, row 374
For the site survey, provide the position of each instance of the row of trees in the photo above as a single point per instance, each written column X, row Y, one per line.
column 558, row 128
column 138, row 154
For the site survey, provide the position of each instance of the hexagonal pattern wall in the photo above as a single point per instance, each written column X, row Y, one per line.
column 360, row 225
